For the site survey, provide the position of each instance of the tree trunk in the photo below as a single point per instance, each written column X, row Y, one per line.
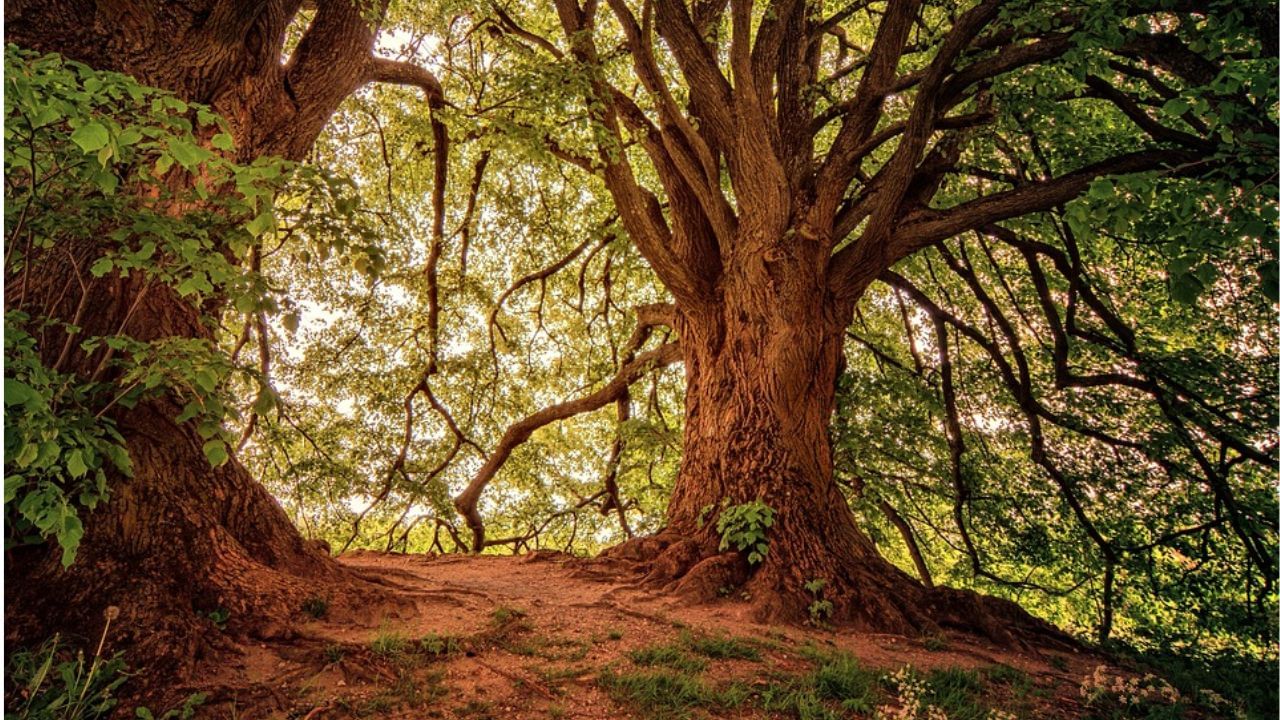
column 179, row 539
column 760, row 371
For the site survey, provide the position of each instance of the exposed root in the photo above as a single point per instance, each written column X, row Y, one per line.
column 867, row 594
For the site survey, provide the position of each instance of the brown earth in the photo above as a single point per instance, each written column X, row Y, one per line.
column 528, row 637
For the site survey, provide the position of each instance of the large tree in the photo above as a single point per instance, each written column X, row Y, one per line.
column 178, row 538
column 770, row 161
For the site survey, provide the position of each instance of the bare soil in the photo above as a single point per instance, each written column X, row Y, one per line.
column 527, row 637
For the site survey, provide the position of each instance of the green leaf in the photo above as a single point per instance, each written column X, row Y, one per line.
column 207, row 380
column 189, row 155
column 27, row 455
column 101, row 267
column 264, row 222
column 75, row 463
column 222, row 141
column 69, row 533
column 17, row 392
column 91, row 136
column 216, row 451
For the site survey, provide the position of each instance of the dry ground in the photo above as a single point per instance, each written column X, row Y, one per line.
column 542, row 636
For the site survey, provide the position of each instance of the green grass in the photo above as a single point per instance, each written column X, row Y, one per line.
column 389, row 644
column 433, row 644
column 503, row 615
column 667, row 694
column 838, row 685
column 668, row 656
column 719, row 647
column 843, row 679
column 957, row 691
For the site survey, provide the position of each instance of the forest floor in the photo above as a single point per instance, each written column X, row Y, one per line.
column 550, row 636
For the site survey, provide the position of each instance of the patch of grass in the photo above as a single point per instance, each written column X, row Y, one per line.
column 795, row 701
column 1058, row 663
column 434, row 644
column 843, row 679
column 837, row 686
column 553, row 675
column 615, row 634
column 664, row 694
column 668, row 656
column 503, row 615
column 720, row 647
column 389, row 644
column 1018, row 682
column 316, row 606
column 957, row 691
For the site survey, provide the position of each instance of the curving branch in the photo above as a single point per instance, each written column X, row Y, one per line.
column 630, row 372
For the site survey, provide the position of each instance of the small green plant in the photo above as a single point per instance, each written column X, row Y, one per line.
column 51, row 683
column 389, row 643
column 821, row 609
column 503, row 615
column 185, row 711
column 745, row 527
column 333, row 653
column 316, row 606
column 615, row 634
column 434, row 644
column 219, row 617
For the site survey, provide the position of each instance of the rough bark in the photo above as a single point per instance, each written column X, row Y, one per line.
column 766, row 283
column 761, row 365
column 180, row 539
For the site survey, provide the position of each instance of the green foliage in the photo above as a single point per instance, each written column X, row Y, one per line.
column 820, row 609
column 185, row 711
column 389, row 644
column 745, row 527
column 53, row 683
column 57, row 449
column 434, row 644
column 95, row 165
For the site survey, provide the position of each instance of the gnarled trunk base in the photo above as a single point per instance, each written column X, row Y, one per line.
column 177, row 543
column 867, row 593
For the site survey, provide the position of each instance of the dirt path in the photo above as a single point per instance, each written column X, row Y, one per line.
column 537, row 637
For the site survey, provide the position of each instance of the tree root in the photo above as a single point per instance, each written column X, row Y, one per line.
column 867, row 594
